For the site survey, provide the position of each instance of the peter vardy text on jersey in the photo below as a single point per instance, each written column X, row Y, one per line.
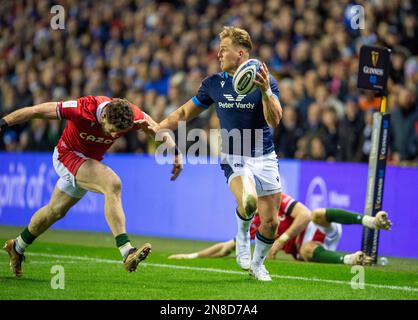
column 238, row 105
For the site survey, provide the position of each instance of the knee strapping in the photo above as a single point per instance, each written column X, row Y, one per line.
column 250, row 206
column 249, row 200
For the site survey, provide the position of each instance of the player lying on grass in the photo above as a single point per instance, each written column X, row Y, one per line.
column 306, row 236
column 93, row 125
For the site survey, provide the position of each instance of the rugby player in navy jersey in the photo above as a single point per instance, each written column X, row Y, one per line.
column 250, row 164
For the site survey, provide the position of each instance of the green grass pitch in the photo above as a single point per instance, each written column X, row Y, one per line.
column 93, row 271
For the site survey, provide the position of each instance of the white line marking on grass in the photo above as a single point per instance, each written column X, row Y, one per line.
column 172, row 266
column 52, row 262
column 379, row 286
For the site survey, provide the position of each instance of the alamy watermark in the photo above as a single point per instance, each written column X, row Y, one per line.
column 356, row 14
column 357, row 282
column 58, row 20
column 58, row 277
column 209, row 146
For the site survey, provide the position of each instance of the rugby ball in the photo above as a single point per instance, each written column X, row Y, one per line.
column 243, row 80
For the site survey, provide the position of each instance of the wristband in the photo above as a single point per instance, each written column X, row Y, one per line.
column 268, row 93
column 3, row 124
column 283, row 238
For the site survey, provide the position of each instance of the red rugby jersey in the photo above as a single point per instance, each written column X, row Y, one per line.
column 83, row 132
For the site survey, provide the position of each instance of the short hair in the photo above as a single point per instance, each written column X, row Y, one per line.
column 120, row 114
column 239, row 37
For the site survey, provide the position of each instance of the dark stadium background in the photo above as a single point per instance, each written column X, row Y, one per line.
column 155, row 53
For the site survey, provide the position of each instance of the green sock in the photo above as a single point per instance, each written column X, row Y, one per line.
column 123, row 244
column 27, row 236
column 121, row 239
column 343, row 216
column 326, row 256
column 23, row 241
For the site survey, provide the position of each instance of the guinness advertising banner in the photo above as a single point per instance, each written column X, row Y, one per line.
column 373, row 68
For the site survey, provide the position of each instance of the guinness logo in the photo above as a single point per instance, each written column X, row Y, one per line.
column 375, row 57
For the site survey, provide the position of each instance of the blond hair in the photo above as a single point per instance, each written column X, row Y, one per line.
column 239, row 37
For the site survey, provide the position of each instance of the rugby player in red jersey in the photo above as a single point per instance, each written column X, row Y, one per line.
column 93, row 125
column 307, row 236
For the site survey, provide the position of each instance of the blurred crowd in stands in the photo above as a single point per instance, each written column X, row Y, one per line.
column 156, row 53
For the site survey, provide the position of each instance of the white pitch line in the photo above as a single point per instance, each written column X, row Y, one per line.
column 51, row 262
column 172, row 266
column 379, row 286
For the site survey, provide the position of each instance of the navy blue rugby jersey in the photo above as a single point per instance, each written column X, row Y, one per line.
column 240, row 112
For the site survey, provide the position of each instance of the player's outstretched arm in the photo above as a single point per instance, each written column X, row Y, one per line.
column 218, row 250
column 186, row 112
column 302, row 217
column 272, row 108
column 147, row 125
column 43, row 111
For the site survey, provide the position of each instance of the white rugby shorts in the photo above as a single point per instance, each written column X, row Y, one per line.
column 329, row 237
column 263, row 171
column 66, row 182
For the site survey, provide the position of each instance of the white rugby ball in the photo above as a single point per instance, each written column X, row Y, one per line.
column 243, row 80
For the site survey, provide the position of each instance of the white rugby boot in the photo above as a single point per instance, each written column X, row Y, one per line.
column 260, row 273
column 243, row 251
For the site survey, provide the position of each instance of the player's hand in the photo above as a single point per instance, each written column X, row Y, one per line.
column 263, row 81
column 148, row 127
column 177, row 166
column 271, row 255
column 273, row 251
column 276, row 247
